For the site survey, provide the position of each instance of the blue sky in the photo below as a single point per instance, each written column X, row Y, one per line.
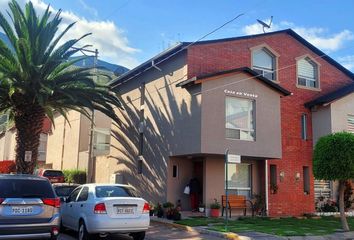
column 128, row 32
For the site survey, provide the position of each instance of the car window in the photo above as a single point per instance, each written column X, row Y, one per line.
column 64, row 191
column 83, row 195
column 114, row 191
column 74, row 194
column 53, row 173
column 25, row 188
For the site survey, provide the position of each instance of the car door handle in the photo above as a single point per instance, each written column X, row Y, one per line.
column 70, row 205
column 81, row 205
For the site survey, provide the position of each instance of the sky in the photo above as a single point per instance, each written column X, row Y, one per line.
column 129, row 32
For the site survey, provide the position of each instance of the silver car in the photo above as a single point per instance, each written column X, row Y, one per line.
column 102, row 209
column 29, row 208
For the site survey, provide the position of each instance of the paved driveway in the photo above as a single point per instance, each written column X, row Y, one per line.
column 156, row 232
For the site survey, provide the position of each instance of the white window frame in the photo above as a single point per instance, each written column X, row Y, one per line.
column 308, row 80
column 264, row 71
column 251, row 130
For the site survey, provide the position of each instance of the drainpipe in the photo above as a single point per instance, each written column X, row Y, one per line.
column 266, row 185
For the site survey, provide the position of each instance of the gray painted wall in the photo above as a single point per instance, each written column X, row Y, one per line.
column 268, row 130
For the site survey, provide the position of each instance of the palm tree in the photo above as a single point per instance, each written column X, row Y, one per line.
column 37, row 78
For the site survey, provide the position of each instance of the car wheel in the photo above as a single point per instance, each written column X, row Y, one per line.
column 83, row 234
column 138, row 235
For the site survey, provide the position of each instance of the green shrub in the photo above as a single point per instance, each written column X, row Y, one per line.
column 75, row 176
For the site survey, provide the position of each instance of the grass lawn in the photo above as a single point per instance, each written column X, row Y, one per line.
column 280, row 227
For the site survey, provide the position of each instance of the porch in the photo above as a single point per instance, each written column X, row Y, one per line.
column 246, row 178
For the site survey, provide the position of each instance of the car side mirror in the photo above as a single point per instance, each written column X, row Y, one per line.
column 62, row 199
column 67, row 200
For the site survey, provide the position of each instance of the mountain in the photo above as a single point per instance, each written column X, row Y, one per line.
column 116, row 69
column 88, row 62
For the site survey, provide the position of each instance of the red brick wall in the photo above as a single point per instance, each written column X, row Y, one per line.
column 208, row 58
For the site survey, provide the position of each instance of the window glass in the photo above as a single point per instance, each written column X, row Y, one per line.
column 304, row 126
column 101, row 141
column 114, row 191
column 83, row 195
column 53, row 173
column 273, row 175
column 174, row 171
column 239, row 179
column 264, row 63
column 64, row 191
column 350, row 123
column 74, row 194
column 239, row 119
column 307, row 73
column 306, row 174
column 25, row 188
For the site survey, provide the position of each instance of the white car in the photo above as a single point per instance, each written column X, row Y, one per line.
column 102, row 209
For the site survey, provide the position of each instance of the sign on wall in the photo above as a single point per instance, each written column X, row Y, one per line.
column 233, row 158
column 241, row 94
column 28, row 156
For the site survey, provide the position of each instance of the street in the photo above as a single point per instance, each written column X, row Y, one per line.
column 155, row 232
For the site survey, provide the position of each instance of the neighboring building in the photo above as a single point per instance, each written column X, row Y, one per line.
column 187, row 105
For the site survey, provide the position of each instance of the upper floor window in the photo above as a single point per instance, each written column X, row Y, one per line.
column 240, row 118
column 307, row 73
column 264, row 62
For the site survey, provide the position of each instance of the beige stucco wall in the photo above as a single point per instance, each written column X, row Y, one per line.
column 175, row 186
column 321, row 122
column 267, row 143
column 339, row 111
column 8, row 145
column 63, row 142
column 167, row 110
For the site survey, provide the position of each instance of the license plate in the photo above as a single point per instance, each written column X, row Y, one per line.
column 125, row 210
column 22, row 210
column 54, row 180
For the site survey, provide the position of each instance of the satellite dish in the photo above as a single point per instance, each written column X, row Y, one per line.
column 265, row 25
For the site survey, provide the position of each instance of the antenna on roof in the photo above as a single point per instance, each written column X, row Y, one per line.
column 265, row 25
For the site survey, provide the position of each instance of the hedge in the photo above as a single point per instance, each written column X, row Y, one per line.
column 75, row 176
column 7, row 166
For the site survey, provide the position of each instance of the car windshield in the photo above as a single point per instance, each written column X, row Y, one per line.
column 25, row 188
column 114, row 191
column 53, row 173
column 64, row 191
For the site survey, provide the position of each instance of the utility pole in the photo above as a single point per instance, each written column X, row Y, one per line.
column 90, row 165
column 90, row 162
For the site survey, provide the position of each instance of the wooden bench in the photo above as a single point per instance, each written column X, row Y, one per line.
column 235, row 202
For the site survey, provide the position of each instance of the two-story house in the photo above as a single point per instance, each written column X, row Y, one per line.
column 186, row 106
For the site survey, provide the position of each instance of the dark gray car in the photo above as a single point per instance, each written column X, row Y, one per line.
column 29, row 208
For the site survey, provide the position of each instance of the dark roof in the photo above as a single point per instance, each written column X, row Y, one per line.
column 332, row 96
column 257, row 76
column 184, row 45
column 148, row 64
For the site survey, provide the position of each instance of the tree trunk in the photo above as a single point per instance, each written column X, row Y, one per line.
column 29, row 123
column 341, row 206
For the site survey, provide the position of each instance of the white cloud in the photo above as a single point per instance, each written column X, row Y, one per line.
column 111, row 42
column 315, row 35
column 347, row 61
column 92, row 10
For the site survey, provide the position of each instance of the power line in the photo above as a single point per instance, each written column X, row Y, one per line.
column 224, row 85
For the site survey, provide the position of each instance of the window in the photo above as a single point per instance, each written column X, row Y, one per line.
column 101, row 141
column 273, row 175
column 350, row 123
column 306, row 175
column 239, row 179
column 114, row 191
column 74, row 194
column 264, row 63
column 322, row 188
column 240, row 119
column 42, row 149
column 307, row 73
column 304, row 126
column 174, row 171
column 83, row 195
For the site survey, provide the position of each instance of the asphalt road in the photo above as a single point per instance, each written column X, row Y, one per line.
column 155, row 232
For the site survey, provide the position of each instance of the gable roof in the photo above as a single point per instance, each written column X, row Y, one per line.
column 184, row 45
column 254, row 74
column 332, row 96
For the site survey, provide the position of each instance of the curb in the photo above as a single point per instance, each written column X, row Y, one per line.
column 229, row 235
